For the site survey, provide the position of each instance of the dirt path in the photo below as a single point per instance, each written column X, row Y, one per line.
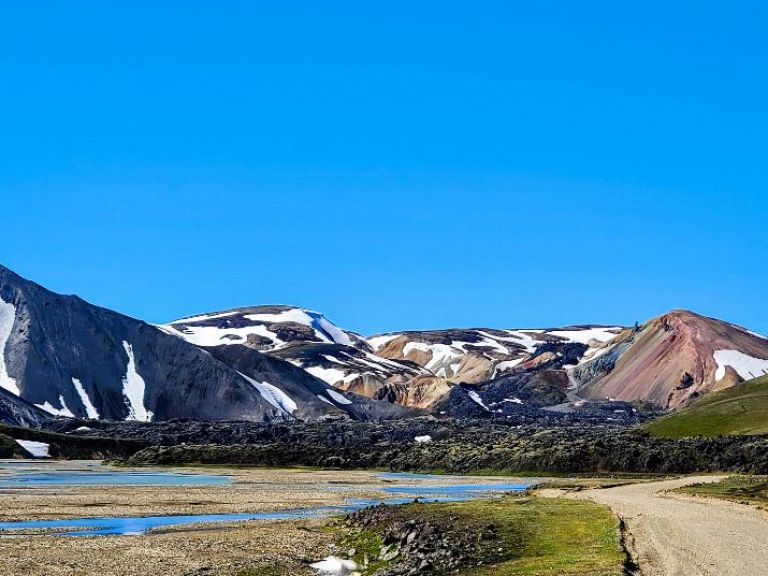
column 673, row 535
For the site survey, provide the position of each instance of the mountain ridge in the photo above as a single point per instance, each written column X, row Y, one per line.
column 67, row 357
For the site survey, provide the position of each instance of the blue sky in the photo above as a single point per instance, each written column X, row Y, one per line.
column 396, row 165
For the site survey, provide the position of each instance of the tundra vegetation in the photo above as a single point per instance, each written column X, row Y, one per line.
column 739, row 410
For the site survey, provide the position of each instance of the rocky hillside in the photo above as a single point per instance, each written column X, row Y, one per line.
column 61, row 356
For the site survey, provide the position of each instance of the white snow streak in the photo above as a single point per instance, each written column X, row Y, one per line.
column 746, row 366
column 586, row 335
column 273, row 395
column 476, row 398
column 338, row 397
column 328, row 375
column 7, row 318
column 51, row 409
column 134, row 389
column 90, row 409
column 378, row 342
column 324, row 399
column 506, row 365
column 426, row 439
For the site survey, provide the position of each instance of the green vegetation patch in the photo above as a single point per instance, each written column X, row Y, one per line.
column 740, row 410
column 742, row 489
column 509, row 536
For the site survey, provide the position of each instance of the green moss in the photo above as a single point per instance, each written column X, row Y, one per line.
column 8, row 447
column 264, row 571
column 367, row 546
column 744, row 489
column 742, row 409
column 542, row 536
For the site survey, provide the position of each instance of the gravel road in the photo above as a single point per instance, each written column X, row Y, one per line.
column 676, row 535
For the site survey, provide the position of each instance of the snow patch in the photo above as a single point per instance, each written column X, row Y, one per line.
column 7, row 319
column 37, row 449
column 513, row 400
column 90, row 409
column 273, row 395
column 444, row 356
column 51, row 409
column 327, row 375
column 324, row 399
column 338, row 397
column 335, row 566
column 134, row 389
column 746, row 366
column 325, row 330
column 506, row 365
column 426, row 439
column 204, row 317
column 586, row 335
column 477, row 400
column 215, row 336
column 378, row 342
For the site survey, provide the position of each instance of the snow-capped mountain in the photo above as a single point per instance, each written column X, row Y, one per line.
column 306, row 339
column 61, row 356
column 477, row 354
column 264, row 328
column 665, row 362
column 70, row 358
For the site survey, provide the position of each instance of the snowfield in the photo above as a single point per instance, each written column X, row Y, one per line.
column 746, row 366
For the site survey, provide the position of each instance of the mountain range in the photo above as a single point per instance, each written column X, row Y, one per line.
column 63, row 357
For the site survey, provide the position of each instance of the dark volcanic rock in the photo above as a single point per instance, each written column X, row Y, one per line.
column 15, row 411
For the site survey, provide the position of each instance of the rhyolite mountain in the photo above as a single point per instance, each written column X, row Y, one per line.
column 62, row 356
column 664, row 363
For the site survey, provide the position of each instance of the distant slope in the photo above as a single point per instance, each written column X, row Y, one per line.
column 742, row 409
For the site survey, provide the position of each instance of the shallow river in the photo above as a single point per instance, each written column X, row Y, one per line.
column 36, row 475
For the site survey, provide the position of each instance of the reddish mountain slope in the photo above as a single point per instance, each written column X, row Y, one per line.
column 673, row 359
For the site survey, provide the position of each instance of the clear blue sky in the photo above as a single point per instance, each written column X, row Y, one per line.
column 394, row 164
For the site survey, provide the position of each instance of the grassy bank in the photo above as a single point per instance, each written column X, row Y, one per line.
column 742, row 489
column 509, row 537
column 740, row 410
